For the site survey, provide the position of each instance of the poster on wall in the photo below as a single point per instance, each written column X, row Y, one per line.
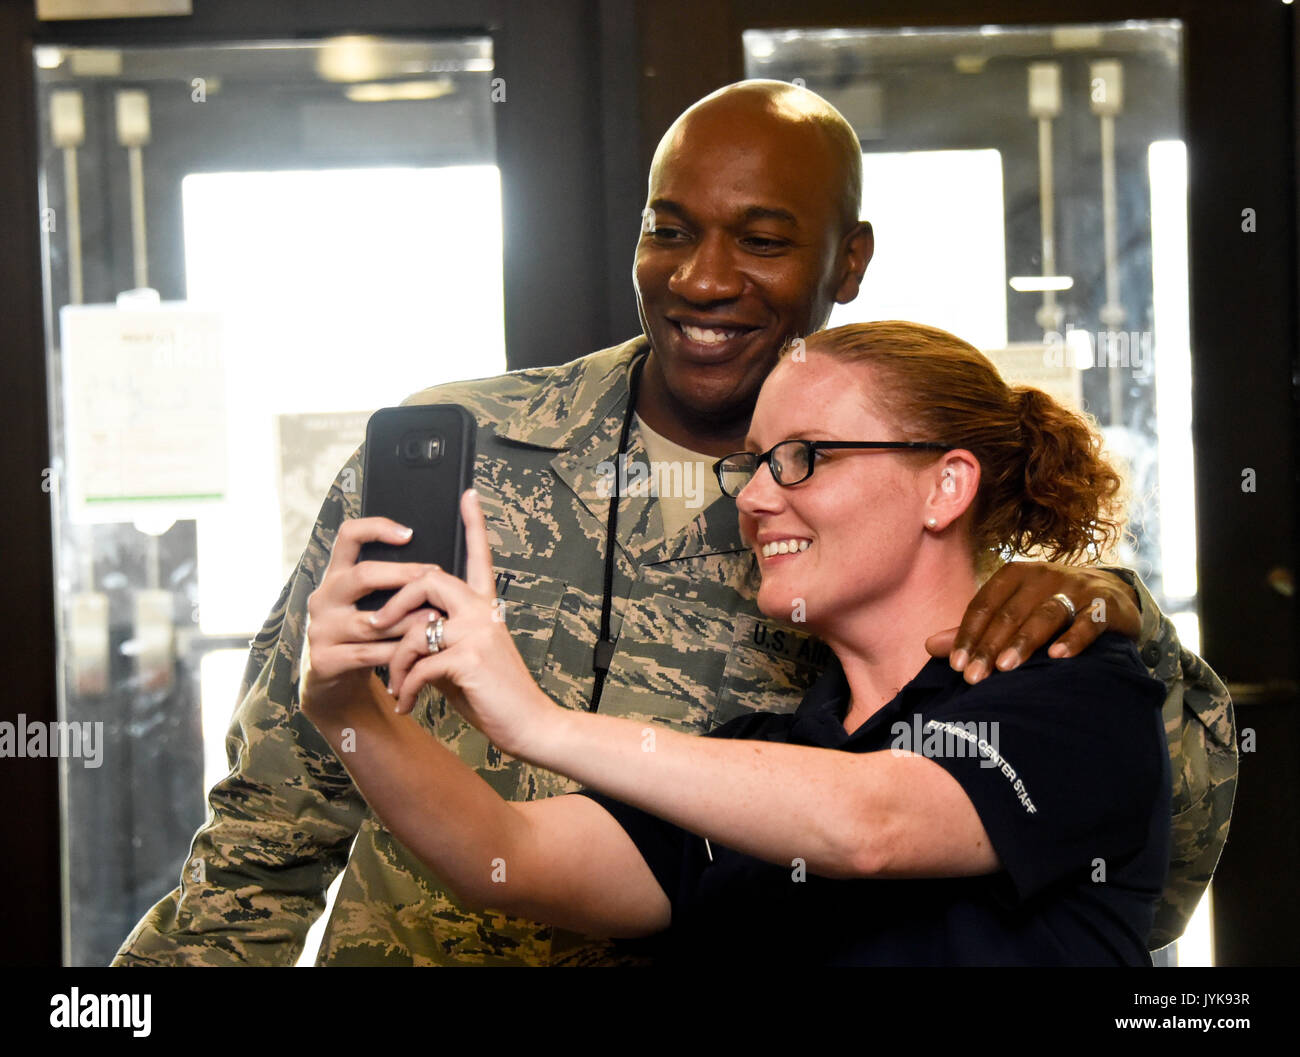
column 145, row 411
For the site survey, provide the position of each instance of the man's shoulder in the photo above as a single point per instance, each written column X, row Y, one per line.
column 493, row 398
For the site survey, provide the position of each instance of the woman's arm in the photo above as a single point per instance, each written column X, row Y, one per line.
column 844, row 814
column 563, row 860
column 876, row 814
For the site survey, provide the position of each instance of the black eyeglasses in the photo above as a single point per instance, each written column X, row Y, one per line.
column 792, row 461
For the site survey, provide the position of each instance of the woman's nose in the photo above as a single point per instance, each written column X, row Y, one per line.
column 761, row 493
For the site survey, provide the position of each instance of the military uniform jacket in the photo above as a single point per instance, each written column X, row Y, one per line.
column 692, row 651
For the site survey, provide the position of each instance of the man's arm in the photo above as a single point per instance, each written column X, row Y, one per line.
column 283, row 820
column 1201, row 732
column 1019, row 610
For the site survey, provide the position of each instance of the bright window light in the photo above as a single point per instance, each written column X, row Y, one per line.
column 1196, row 946
column 1034, row 284
column 921, row 271
column 1172, row 365
column 339, row 290
column 220, row 672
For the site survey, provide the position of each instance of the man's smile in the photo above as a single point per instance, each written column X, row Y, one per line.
column 713, row 342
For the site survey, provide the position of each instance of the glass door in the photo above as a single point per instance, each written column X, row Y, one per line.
column 248, row 248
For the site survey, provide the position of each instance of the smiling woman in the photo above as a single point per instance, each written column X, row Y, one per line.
column 1041, row 838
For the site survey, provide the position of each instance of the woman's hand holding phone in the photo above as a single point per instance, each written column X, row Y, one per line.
column 342, row 647
column 476, row 666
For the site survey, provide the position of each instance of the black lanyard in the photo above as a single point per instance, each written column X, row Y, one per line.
column 604, row 652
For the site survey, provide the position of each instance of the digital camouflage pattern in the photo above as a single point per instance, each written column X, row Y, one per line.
column 1202, row 736
column 693, row 651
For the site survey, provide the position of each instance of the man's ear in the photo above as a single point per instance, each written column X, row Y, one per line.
column 953, row 483
column 856, row 250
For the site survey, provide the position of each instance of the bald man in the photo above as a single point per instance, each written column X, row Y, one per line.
column 749, row 236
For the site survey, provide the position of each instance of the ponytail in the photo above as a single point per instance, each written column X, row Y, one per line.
column 1067, row 506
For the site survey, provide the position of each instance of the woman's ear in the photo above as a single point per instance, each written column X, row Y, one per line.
column 953, row 483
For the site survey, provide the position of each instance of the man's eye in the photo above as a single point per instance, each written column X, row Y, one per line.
column 666, row 234
column 762, row 244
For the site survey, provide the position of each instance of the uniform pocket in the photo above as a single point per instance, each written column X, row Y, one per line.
column 769, row 668
column 530, row 605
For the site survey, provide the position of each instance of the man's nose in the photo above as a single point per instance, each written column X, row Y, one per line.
column 708, row 273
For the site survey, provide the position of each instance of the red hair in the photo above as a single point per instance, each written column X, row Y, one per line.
column 1045, row 487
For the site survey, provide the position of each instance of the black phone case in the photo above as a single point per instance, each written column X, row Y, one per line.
column 419, row 461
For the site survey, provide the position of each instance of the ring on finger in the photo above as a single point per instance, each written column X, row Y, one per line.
column 1070, row 611
column 433, row 634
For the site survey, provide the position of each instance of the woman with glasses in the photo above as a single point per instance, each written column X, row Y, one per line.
column 900, row 815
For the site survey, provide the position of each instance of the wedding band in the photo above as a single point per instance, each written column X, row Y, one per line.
column 433, row 635
column 1070, row 611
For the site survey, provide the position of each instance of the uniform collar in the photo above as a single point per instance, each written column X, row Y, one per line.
column 579, row 413
column 578, row 399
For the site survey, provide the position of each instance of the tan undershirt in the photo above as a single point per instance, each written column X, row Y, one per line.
column 685, row 479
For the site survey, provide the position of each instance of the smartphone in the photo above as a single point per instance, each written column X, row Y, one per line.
column 419, row 461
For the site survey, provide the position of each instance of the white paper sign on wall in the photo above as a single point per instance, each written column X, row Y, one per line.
column 145, row 405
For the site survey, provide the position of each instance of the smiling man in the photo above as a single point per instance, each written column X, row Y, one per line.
column 753, row 237
column 640, row 606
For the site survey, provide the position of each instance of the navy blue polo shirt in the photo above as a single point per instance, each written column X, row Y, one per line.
column 1066, row 764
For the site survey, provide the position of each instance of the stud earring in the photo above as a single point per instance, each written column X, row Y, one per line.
column 932, row 522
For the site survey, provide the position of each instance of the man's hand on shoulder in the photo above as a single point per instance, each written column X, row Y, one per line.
column 1018, row 610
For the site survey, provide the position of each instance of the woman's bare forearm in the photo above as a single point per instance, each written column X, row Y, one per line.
column 842, row 814
column 439, row 808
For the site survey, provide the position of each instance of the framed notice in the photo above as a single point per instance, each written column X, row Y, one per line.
column 145, row 405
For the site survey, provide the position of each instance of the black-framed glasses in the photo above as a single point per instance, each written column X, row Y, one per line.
column 792, row 461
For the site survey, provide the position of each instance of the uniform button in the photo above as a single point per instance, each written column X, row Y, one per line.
column 1151, row 654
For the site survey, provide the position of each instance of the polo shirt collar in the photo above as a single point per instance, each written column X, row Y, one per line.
column 819, row 720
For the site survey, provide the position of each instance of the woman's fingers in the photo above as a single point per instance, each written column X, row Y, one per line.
column 468, row 608
column 364, row 631
column 435, row 587
column 406, row 653
column 356, row 531
column 428, row 671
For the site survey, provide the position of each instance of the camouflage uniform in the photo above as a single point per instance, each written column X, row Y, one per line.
column 1202, row 736
column 693, row 652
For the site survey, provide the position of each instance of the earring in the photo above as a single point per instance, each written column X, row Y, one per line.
column 932, row 522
